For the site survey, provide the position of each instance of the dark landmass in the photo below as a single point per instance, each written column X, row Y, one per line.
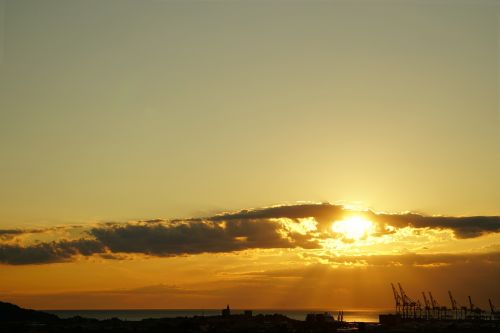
column 11, row 312
column 14, row 319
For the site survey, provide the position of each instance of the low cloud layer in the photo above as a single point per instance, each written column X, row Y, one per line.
column 265, row 228
column 162, row 238
column 193, row 237
column 44, row 253
column 463, row 227
column 322, row 213
column 6, row 234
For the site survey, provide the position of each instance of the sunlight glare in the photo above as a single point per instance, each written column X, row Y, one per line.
column 354, row 227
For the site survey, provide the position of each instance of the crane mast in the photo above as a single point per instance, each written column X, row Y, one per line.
column 427, row 306
column 456, row 307
column 409, row 306
column 494, row 314
column 452, row 300
column 433, row 302
column 492, row 307
column 438, row 311
column 397, row 298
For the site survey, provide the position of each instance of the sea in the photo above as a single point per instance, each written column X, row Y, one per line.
column 367, row 316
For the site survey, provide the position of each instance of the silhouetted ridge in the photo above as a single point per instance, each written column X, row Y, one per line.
column 11, row 312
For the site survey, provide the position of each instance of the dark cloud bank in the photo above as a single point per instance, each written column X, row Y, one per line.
column 228, row 232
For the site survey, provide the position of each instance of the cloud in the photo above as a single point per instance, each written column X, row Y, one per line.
column 322, row 213
column 325, row 213
column 263, row 228
column 193, row 237
column 161, row 238
column 11, row 233
column 44, row 253
column 409, row 259
column 463, row 227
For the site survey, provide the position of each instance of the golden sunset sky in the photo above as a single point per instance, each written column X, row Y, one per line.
column 265, row 154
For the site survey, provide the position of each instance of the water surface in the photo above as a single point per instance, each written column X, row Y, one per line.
column 134, row 315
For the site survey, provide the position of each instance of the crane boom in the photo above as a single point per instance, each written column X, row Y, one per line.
column 397, row 298
column 406, row 300
column 427, row 306
column 492, row 307
column 435, row 304
column 403, row 295
column 452, row 300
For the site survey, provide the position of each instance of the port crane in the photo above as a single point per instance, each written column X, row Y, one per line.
column 397, row 299
column 460, row 310
column 476, row 312
column 427, row 306
column 409, row 306
column 439, row 312
column 430, row 309
column 494, row 314
column 454, row 305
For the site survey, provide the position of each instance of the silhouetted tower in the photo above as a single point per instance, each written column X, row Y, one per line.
column 226, row 312
column 340, row 316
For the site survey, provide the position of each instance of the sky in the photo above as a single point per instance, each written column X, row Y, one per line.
column 266, row 154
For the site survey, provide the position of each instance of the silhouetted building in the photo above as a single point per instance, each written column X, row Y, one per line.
column 226, row 312
column 389, row 319
column 247, row 313
column 319, row 317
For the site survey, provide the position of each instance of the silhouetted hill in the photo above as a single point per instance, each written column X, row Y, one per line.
column 11, row 312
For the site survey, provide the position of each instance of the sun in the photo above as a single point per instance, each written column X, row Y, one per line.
column 354, row 227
